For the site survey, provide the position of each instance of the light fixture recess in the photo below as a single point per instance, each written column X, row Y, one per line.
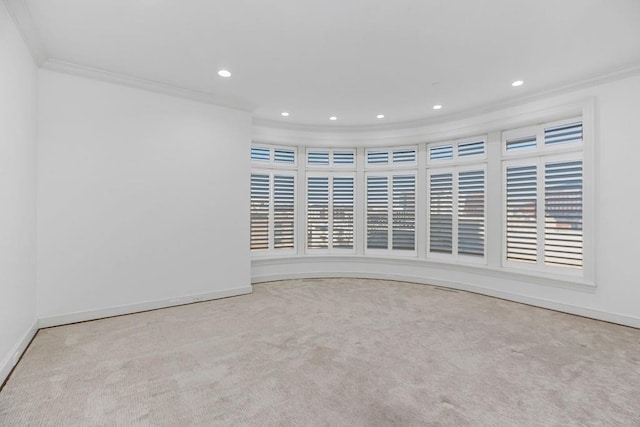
column 333, row 118
column 285, row 114
column 224, row 73
column 517, row 83
column 437, row 107
column 380, row 116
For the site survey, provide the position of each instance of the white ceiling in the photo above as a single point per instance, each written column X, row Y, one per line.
column 350, row 58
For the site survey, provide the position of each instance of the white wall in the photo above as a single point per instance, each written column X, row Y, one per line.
column 18, row 96
column 616, row 296
column 142, row 199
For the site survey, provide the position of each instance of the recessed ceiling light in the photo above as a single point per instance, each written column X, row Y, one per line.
column 285, row 114
column 333, row 118
column 380, row 116
column 224, row 73
column 517, row 83
column 437, row 107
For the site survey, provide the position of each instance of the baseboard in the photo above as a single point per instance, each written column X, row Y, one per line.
column 620, row 319
column 6, row 366
column 63, row 319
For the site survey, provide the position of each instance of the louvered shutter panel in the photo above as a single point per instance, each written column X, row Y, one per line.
column 442, row 152
column 441, row 213
column 282, row 155
column 563, row 214
column 343, row 212
column 404, row 212
column 283, row 211
column 473, row 148
column 471, row 194
column 259, row 154
column 343, row 157
column 377, row 212
column 569, row 132
column 318, row 158
column 377, row 157
column 317, row 212
column 523, row 143
column 522, row 213
column 260, row 195
column 404, row 156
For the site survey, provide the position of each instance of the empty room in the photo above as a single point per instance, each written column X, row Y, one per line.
column 319, row 213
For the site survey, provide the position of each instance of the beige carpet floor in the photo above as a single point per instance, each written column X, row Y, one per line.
column 338, row 352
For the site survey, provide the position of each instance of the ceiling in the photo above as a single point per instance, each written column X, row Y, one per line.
column 353, row 59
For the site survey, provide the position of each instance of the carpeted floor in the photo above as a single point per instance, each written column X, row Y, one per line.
column 339, row 352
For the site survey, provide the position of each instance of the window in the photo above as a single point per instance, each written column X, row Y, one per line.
column 272, row 211
column 456, row 205
column 330, row 211
column 543, row 196
column 273, row 204
column 461, row 150
column 331, row 157
column 391, row 211
column 456, row 212
column 396, row 156
column 277, row 156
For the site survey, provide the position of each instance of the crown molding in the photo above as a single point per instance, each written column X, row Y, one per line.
column 21, row 16
column 148, row 85
column 506, row 118
column 339, row 132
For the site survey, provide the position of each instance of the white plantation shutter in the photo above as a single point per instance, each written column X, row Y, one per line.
column 522, row 143
column 441, row 213
column 318, row 212
column 343, row 212
column 260, row 196
column 343, row 157
column 405, row 155
column 404, row 212
column 318, row 158
column 260, row 154
column 284, row 155
column 377, row 212
column 563, row 213
column 441, row 152
column 471, row 212
column 283, row 211
column 521, row 214
column 377, row 157
column 470, row 148
column 568, row 132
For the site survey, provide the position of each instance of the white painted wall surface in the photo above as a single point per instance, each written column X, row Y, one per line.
column 18, row 109
column 616, row 296
column 142, row 199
